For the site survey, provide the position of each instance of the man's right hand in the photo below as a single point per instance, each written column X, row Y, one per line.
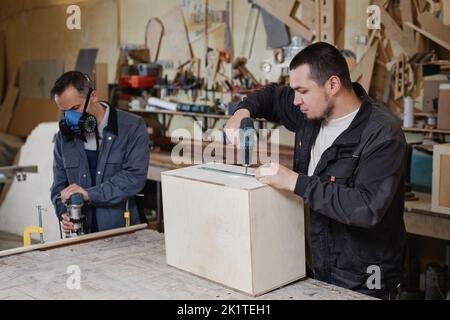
column 67, row 225
column 234, row 124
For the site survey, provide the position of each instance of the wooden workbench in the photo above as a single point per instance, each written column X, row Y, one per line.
column 420, row 220
column 131, row 266
column 418, row 216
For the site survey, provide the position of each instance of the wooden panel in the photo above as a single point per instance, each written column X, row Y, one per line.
column 7, row 109
column 427, row 225
column 327, row 21
column 2, row 66
column 37, row 77
column 175, row 33
column 339, row 23
column 407, row 15
column 446, row 12
column 440, row 200
column 394, row 32
column 362, row 72
column 101, row 81
column 439, row 31
column 206, row 230
column 232, row 229
column 444, row 107
column 444, row 184
column 30, row 112
column 99, row 28
column 277, row 228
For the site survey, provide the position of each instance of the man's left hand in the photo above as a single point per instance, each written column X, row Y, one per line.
column 277, row 176
column 72, row 189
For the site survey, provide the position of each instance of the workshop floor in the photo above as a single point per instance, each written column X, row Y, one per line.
column 10, row 241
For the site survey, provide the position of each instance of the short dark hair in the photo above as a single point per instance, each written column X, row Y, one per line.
column 77, row 79
column 324, row 61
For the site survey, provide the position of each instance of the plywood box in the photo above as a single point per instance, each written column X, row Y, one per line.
column 231, row 229
column 440, row 199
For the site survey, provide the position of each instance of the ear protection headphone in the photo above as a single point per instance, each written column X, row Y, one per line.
column 87, row 124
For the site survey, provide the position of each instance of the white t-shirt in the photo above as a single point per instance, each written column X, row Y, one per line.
column 328, row 133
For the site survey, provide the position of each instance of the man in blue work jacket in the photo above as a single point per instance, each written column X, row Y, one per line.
column 100, row 152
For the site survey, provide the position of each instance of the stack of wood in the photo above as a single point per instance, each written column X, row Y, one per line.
column 411, row 35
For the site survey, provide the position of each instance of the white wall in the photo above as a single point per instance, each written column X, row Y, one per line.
column 18, row 209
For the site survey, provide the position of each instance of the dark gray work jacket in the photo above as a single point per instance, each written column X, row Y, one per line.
column 356, row 194
column 121, row 170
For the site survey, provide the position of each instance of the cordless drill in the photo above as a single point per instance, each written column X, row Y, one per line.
column 247, row 136
column 76, row 215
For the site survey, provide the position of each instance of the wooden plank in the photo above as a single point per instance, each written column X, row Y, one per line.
column 407, row 15
column 282, row 10
column 339, row 23
column 233, row 236
column 73, row 241
column 154, row 34
column 175, row 33
column 100, row 78
column 446, row 12
column 317, row 16
column 422, row 42
column 394, row 32
column 139, row 270
column 362, row 72
column 30, row 112
column 433, row 26
column 429, row 35
column 427, row 225
column 7, row 109
column 327, row 21
column 440, row 199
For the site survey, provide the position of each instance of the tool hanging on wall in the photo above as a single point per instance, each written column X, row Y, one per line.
column 241, row 72
column 154, row 32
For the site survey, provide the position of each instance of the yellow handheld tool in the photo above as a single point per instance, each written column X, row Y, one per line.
column 127, row 216
column 27, row 231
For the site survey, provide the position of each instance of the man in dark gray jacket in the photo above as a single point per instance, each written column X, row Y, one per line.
column 100, row 152
column 348, row 167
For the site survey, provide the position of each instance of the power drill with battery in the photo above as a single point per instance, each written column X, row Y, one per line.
column 76, row 215
column 247, row 141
